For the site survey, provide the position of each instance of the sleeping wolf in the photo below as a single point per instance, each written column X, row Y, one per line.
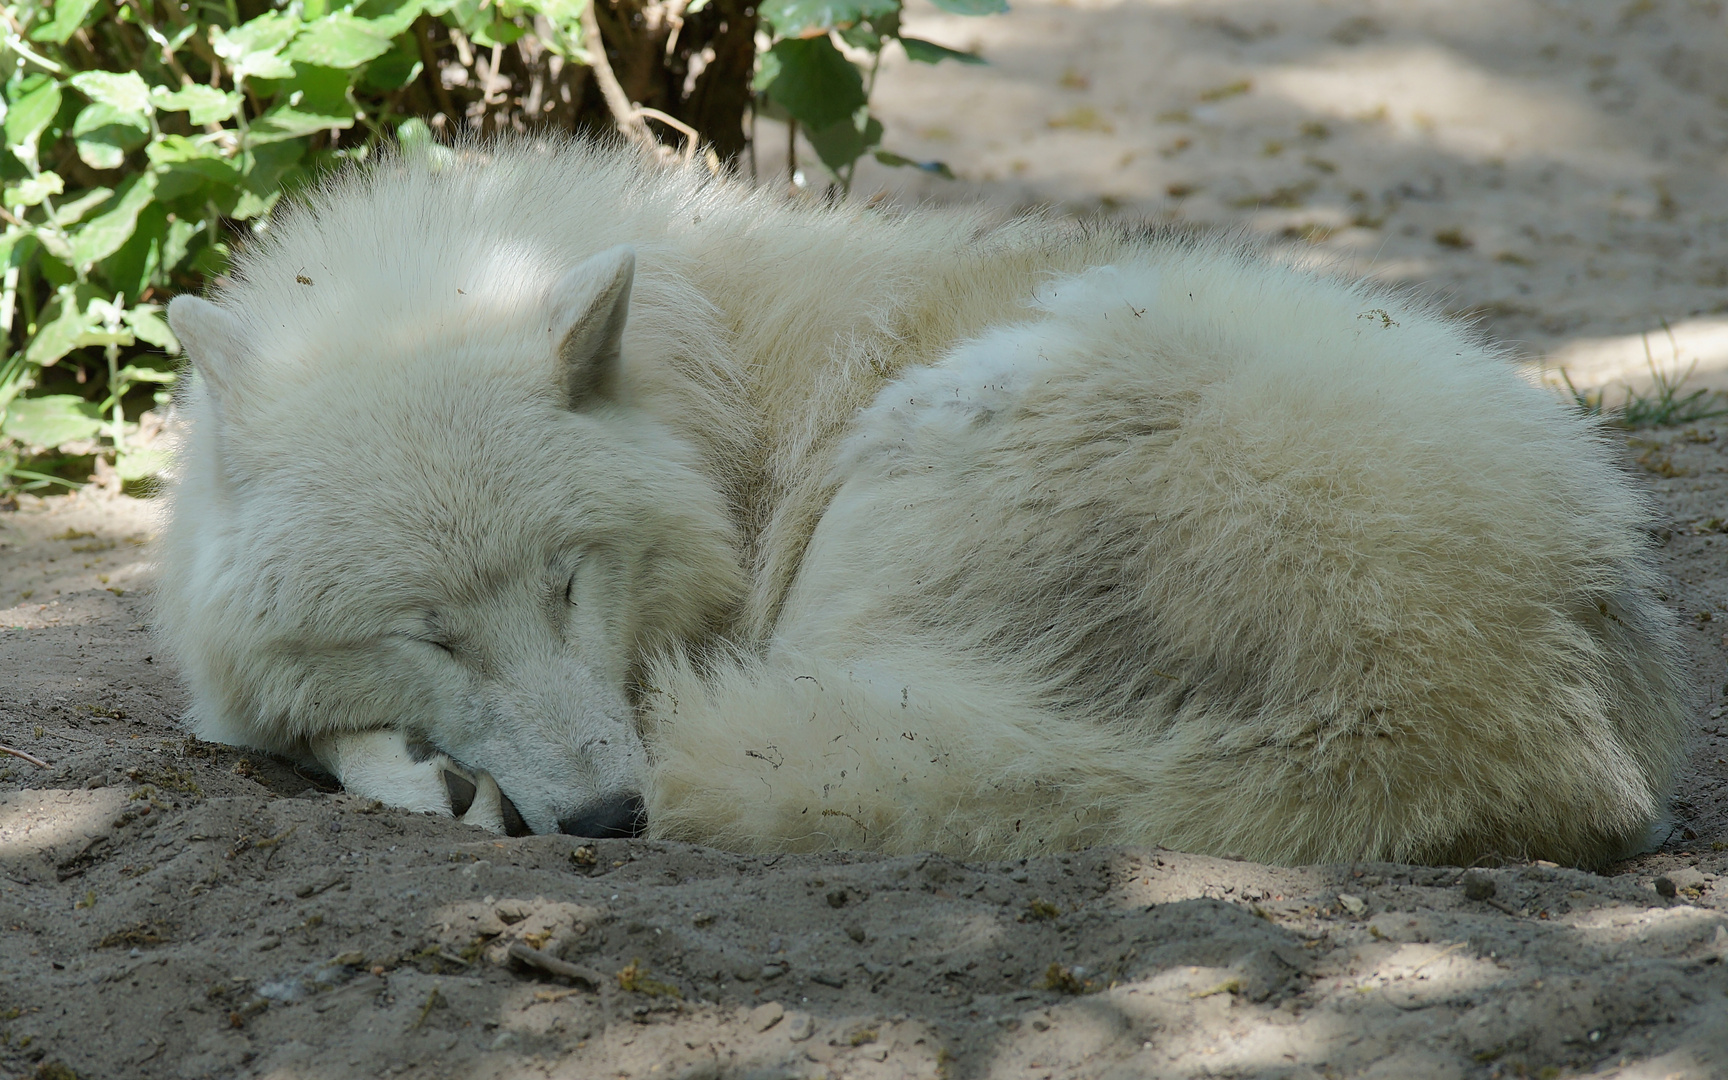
column 557, row 490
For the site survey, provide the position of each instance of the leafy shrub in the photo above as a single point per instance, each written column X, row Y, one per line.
column 144, row 135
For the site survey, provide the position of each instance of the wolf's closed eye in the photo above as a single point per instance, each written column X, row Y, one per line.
column 443, row 646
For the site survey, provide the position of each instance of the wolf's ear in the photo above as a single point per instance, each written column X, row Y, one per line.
column 586, row 312
column 214, row 341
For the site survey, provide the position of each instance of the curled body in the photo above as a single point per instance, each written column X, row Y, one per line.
column 580, row 493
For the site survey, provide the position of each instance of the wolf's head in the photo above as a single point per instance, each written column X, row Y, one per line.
column 461, row 526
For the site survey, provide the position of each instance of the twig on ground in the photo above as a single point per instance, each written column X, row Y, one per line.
column 1448, row 950
column 31, row 758
column 534, row 958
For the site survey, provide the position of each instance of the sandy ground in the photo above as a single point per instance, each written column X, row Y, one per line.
column 174, row 909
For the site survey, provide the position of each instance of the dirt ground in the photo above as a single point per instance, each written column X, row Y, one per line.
column 176, row 909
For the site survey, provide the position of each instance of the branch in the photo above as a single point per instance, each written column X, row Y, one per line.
column 429, row 62
column 690, row 136
column 31, row 758
column 628, row 119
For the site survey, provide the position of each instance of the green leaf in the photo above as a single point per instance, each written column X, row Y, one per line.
column 14, row 380
column 147, row 322
column 140, row 464
column 29, row 115
column 395, row 69
column 839, row 145
column 134, row 373
column 101, row 114
column 928, row 52
column 265, row 34
column 102, row 235
column 338, row 41
column 316, row 99
column 812, row 80
column 937, row 168
column 500, row 31
column 180, row 235
column 69, row 15
column 972, row 7
column 182, row 179
column 104, row 134
column 397, row 21
column 32, row 191
column 261, row 65
column 206, row 104
column 126, row 92
column 484, row 21
column 136, row 265
column 467, row 13
column 251, row 49
column 58, row 336
column 269, row 166
column 250, row 205
column 867, row 36
column 812, row 18
column 101, row 335
column 415, row 134
column 173, row 149
column 285, row 122
column 71, row 213
column 212, row 259
column 52, row 420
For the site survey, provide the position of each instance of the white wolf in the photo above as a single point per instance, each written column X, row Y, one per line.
column 656, row 502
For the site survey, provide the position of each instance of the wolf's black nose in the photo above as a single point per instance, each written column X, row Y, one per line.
column 610, row 817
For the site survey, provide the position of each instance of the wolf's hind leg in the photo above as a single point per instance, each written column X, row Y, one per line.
column 398, row 771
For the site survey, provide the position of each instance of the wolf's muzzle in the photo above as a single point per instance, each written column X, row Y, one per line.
column 606, row 818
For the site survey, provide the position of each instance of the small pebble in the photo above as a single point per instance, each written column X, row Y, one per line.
column 1665, row 888
column 856, row 933
column 765, row 1016
column 800, row 1027
column 1688, row 877
column 1477, row 885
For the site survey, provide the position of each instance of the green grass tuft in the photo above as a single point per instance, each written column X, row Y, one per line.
column 1664, row 406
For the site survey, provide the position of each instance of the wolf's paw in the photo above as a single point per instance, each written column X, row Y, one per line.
column 415, row 775
column 474, row 796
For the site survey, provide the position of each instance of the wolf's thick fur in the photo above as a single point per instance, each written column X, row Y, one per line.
column 900, row 530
